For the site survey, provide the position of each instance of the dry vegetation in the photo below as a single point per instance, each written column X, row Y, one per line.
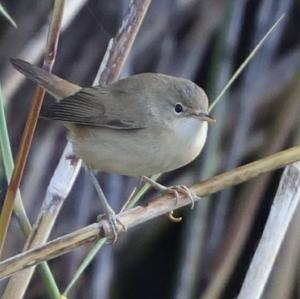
column 209, row 253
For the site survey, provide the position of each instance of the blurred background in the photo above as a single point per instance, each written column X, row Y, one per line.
column 208, row 253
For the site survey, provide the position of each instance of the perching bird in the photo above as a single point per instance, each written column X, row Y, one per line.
column 139, row 126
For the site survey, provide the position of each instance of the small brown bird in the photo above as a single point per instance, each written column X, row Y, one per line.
column 139, row 126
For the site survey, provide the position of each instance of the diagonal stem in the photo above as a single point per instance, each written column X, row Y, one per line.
column 31, row 123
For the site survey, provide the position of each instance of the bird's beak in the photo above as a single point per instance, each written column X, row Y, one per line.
column 204, row 117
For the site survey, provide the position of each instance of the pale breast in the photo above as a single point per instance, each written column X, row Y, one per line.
column 138, row 152
column 185, row 142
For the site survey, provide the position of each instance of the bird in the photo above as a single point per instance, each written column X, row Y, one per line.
column 142, row 125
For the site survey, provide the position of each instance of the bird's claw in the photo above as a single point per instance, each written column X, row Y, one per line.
column 175, row 190
column 114, row 224
column 174, row 218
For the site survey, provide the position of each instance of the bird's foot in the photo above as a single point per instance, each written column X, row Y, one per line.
column 114, row 224
column 175, row 190
column 181, row 189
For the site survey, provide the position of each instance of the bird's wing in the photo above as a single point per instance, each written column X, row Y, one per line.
column 93, row 107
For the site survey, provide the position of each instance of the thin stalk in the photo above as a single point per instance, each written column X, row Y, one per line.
column 85, row 263
column 49, row 58
column 7, row 16
column 19, row 209
column 244, row 64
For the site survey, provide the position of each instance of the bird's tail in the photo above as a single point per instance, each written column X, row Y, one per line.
column 56, row 86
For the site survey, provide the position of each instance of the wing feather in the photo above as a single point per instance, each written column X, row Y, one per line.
column 87, row 107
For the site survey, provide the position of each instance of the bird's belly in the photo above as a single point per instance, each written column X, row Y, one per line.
column 134, row 152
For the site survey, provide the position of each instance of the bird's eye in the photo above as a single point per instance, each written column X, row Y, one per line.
column 178, row 108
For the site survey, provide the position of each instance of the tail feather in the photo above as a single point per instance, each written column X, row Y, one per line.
column 56, row 86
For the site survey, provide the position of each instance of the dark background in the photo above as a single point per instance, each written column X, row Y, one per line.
column 205, row 41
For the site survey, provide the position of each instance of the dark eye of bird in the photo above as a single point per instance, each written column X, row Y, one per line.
column 178, row 108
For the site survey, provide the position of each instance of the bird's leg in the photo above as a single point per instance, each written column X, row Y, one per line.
column 173, row 190
column 110, row 213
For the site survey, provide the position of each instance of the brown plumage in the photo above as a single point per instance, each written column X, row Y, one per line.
column 142, row 125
